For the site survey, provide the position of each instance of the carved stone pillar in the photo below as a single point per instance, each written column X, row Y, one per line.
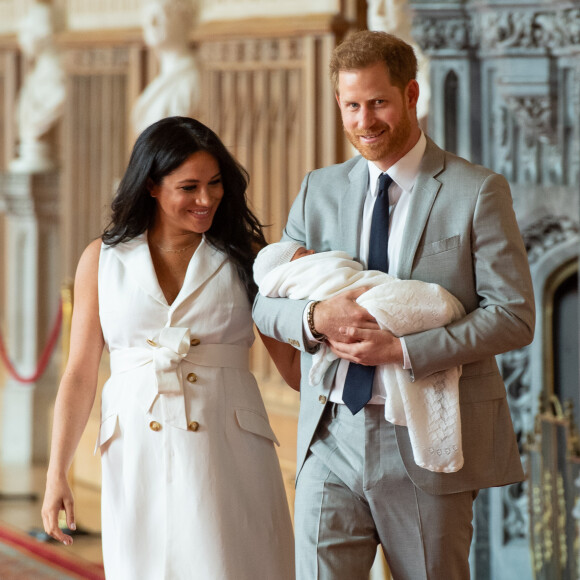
column 445, row 36
column 31, row 304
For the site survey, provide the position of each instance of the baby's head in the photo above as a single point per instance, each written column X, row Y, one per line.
column 276, row 255
column 300, row 253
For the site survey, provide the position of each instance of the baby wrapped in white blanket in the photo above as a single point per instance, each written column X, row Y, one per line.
column 429, row 407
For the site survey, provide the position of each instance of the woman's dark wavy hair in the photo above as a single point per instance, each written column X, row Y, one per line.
column 160, row 150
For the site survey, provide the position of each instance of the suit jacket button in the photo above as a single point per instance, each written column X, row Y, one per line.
column 322, row 399
column 192, row 377
column 155, row 426
column 194, row 341
column 193, row 426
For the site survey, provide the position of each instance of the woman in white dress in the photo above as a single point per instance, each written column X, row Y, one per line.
column 191, row 483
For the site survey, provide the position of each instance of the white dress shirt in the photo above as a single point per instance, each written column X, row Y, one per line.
column 404, row 174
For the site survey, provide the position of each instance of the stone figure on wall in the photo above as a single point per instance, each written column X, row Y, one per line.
column 167, row 25
column 41, row 99
column 394, row 16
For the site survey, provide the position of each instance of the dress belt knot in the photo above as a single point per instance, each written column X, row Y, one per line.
column 165, row 355
column 170, row 349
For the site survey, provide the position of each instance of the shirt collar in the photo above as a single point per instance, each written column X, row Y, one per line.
column 404, row 172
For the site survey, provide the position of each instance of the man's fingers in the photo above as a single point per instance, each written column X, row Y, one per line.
column 367, row 347
column 354, row 294
column 358, row 333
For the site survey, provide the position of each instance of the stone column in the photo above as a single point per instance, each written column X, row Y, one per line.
column 31, row 305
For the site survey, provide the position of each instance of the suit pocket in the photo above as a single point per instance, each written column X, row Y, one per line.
column 478, row 388
column 255, row 423
column 439, row 246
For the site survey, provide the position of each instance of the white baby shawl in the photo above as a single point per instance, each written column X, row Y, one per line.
column 429, row 407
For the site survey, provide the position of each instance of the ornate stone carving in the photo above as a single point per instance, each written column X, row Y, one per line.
column 558, row 29
column 525, row 29
column 516, row 374
column 532, row 106
column 505, row 29
column 515, row 369
column 433, row 34
column 548, row 232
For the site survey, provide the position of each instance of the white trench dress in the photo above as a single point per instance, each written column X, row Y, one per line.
column 191, row 487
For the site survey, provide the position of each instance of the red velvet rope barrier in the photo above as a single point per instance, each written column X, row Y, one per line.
column 44, row 357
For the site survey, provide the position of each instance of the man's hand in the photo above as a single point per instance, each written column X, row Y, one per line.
column 368, row 347
column 342, row 311
column 353, row 334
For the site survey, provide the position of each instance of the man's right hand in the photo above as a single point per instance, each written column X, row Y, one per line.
column 342, row 311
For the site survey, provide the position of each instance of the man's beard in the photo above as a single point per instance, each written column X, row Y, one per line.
column 390, row 143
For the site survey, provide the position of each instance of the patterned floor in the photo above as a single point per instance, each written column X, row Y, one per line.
column 25, row 558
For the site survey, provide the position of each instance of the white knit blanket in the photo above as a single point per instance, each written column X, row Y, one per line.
column 429, row 407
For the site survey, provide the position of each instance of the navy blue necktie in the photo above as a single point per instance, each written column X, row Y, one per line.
column 358, row 385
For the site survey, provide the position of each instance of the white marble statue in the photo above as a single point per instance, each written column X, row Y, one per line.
column 394, row 16
column 176, row 89
column 41, row 99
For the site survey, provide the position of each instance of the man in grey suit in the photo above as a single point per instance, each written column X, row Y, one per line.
column 451, row 223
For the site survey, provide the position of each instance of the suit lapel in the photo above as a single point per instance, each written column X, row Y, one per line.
column 351, row 207
column 420, row 205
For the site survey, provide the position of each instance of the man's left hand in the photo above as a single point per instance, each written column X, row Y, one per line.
column 369, row 347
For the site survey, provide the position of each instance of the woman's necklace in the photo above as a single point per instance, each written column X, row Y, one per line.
column 180, row 251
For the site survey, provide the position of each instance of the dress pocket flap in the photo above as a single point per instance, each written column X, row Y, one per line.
column 255, row 423
column 106, row 430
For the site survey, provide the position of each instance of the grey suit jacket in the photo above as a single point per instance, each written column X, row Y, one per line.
column 461, row 233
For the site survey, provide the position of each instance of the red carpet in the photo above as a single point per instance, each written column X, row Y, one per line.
column 25, row 558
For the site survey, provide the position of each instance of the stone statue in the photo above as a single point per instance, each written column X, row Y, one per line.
column 394, row 16
column 175, row 91
column 41, row 99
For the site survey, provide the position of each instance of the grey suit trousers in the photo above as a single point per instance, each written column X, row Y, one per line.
column 353, row 492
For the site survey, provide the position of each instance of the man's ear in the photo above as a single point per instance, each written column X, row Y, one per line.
column 337, row 96
column 412, row 94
